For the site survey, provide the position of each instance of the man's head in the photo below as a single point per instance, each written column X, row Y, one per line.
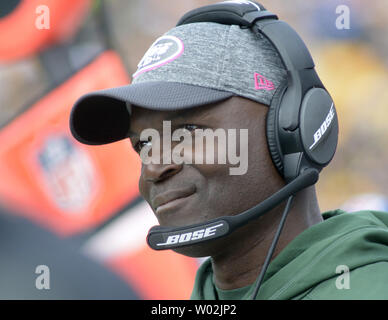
column 216, row 76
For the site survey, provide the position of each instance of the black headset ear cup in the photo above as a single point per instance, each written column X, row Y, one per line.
column 272, row 128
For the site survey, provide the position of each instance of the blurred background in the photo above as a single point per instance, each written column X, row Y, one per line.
column 52, row 52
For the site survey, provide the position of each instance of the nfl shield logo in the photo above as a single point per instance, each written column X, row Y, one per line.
column 68, row 173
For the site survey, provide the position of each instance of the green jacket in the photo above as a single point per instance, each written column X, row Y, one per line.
column 313, row 265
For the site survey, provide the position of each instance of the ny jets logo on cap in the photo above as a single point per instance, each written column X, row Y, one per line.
column 164, row 50
column 244, row 2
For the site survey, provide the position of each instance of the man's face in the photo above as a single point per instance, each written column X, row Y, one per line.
column 184, row 194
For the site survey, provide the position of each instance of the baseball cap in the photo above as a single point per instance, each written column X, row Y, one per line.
column 189, row 66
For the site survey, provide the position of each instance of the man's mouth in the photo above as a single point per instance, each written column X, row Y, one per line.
column 171, row 198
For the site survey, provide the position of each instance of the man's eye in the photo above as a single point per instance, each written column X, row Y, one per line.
column 190, row 127
column 139, row 145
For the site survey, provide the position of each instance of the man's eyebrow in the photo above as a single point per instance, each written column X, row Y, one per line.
column 178, row 114
column 183, row 113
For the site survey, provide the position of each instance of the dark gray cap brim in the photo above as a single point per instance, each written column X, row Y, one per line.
column 102, row 117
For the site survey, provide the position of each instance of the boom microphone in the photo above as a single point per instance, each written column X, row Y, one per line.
column 162, row 238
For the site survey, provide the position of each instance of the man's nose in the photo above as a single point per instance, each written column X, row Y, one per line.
column 158, row 172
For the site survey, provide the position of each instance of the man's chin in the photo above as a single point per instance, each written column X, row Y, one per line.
column 193, row 251
column 176, row 219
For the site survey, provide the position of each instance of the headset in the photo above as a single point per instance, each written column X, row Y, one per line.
column 301, row 126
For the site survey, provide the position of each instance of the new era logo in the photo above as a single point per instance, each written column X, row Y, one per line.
column 262, row 83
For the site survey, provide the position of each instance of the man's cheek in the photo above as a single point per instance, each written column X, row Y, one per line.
column 212, row 171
